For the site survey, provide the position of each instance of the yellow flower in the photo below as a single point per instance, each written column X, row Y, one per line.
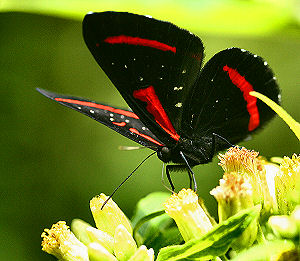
column 190, row 218
column 233, row 195
column 285, row 183
column 247, row 164
column 62, row 243
column 108, row 218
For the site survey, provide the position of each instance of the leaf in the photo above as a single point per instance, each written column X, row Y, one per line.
column 149, row 219
column 214, row 243
column 269, row 251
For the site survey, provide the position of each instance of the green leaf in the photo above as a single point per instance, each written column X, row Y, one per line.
column 149, row 218
column 269, row 251
column 214, row 243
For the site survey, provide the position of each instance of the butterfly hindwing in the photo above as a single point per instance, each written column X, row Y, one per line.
column 220, row 101
column 152, row 63
column 122, row 121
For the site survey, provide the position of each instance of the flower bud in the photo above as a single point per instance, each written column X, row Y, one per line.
column 124, row 245
column 98, row 252
column 100, row 237
column 108, row 218
column 283, row 226
column 62, row 243
column 190, row 218
column 142, row 254
column 233, row 195
column 285, row 182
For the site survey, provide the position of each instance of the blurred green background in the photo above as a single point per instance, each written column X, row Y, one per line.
column 54, row 160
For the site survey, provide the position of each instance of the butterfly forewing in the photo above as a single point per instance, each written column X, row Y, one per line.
column 122, row 121
column 152, row 63
column 220, row 101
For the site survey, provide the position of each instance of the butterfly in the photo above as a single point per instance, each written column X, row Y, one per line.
column 181, row 110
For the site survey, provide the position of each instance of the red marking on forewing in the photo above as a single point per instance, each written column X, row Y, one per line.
column 99, row 106
column 154, row 106
column 124, row 39
column 133, row 130
column 245, row 88
column 121, row 124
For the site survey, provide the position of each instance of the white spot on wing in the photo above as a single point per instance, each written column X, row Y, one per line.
column 122, row 116
column 184, row 71
column 178, row 88
column 111, row 115
column 265, row 63
column 79, row 108
column 126, row 121
column 111, row 119
column 91, row 111
column 178, row 104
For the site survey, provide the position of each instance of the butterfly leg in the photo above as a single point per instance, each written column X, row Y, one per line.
column 190, row 171
column 168, row 170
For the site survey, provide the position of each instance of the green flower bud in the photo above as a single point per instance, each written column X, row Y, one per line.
column 100, row 237
column 79, row 227
column 142, row 254
column 190, row 218
column 124, row 246
column 108, row 218
column 62, row 243
column 285, row 183
column 98, row 252
column 283, row 226
column 233, row 195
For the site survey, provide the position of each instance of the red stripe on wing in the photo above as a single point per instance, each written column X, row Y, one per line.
column 154, row 107
column 124, row 39
column 133, row 130
column 121, row 124
column 99, row 106
column 245, row 88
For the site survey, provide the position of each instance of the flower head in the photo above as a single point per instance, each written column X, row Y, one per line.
column 62, row 243
column 233, row 195
column 285, row 182
column 247, row 164
column 110, row 217
column 190, row 218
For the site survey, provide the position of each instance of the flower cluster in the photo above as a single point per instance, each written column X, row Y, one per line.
column 111, row 241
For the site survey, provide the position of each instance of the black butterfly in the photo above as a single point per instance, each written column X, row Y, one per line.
column 184, row 113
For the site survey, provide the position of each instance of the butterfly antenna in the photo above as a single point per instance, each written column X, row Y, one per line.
column 115, row 190
column 190, row 170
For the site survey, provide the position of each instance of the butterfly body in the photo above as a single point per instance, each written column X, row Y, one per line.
column 179, row 109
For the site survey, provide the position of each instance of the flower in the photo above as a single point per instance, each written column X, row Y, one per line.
column 112, row 241
column 190, row 218
column 233, row 195
column 110, row 216
column 247, row 164
column 285, row 183
column 62, row 243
